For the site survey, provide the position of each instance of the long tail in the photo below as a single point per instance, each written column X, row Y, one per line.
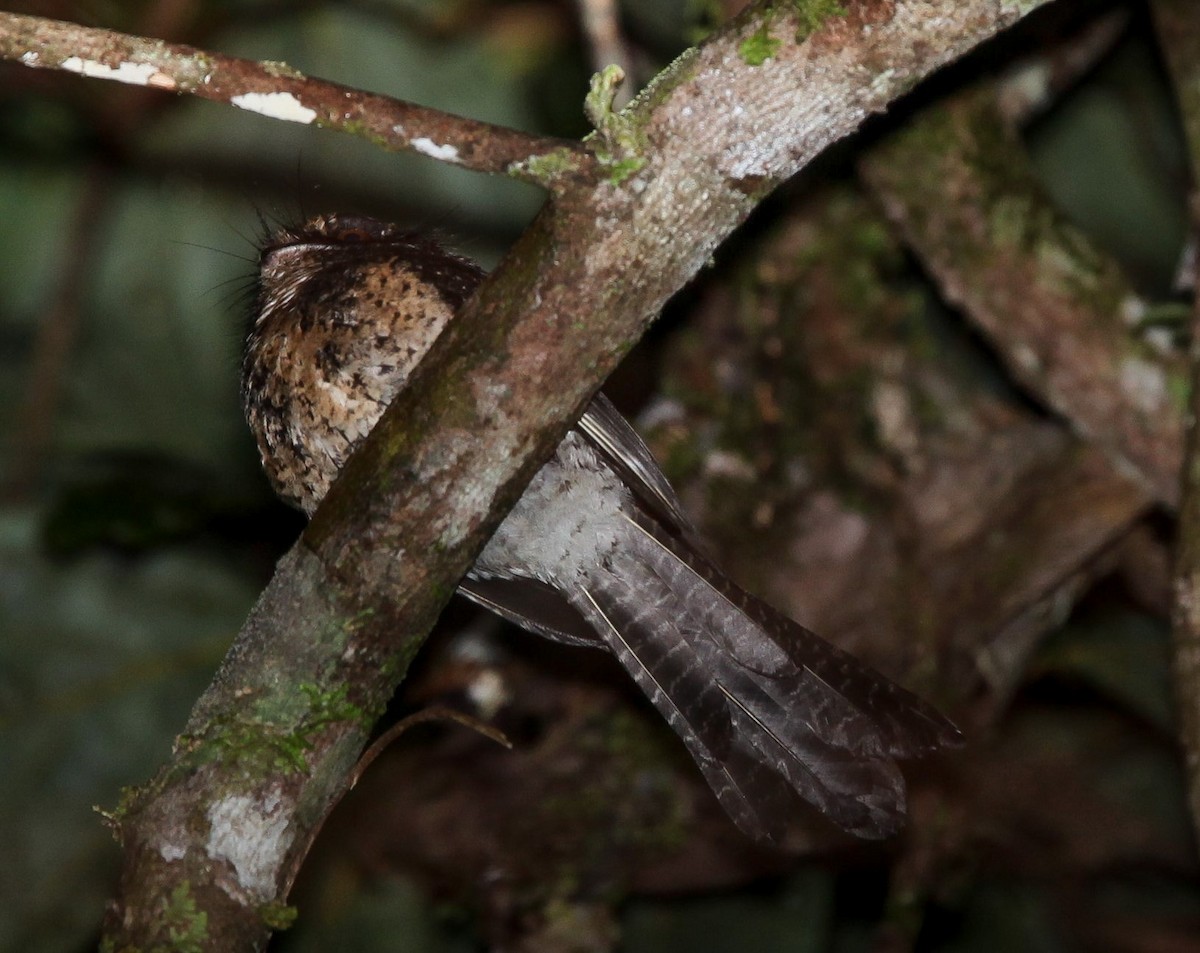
column 762, row 704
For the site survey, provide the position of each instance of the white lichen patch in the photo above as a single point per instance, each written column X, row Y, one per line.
column 1027, row 359
column 136, row 74
column 729, row 465
column 661, row 411
column 1133, row 310
column 427, row 146
column 883, row 82
column 1026, row 88
column 488, row 693
column 894, row 418
column 1144, row 384
column 746, row 158
column 283, row 106
column 251, row 835
column 172, row 852
column 1161, row 340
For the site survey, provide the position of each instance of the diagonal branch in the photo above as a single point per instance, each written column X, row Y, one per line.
column 269, row 747
column 275, row 90
column 1061, row 314
column 1178, row 27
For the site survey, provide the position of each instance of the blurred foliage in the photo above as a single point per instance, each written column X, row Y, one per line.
column 102, row 657
column 128, row 564
column 795, row 916
column 1112, row 154
column 391, row 915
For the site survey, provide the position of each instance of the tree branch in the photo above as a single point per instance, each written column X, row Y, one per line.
column 278, row 91
column 1178, row 26
column 1061, row 314
column 269, row 746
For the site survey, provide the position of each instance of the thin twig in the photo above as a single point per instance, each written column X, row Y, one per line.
column 278, row 91
column 434, row 713
column 377, row 747
column 1178, row 24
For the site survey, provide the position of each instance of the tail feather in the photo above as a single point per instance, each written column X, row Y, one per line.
column 862, row 795
column 676, row 682
column 904, row 725
column 667, row 672
column 762, row 704
column 798, row 668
